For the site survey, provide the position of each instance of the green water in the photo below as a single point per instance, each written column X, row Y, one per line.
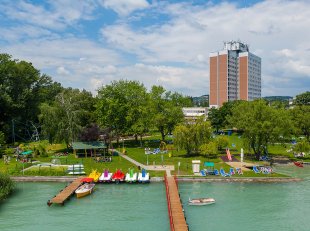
column 111, row 207
column 239, row 207
column 251, row 206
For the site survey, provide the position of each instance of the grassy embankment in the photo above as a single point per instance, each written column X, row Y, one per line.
column 136, row 152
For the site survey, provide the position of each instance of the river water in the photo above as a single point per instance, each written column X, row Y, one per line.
column 238, row 207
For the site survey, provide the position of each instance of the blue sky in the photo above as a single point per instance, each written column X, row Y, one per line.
column 89, row 43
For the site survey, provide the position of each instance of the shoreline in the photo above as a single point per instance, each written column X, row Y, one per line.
column 161, row 179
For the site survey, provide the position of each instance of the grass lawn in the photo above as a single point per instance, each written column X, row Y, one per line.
column 135, row 151
column 15, row 168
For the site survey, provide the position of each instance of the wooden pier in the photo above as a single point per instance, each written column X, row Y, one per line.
column 175, row 209
column 64, row 194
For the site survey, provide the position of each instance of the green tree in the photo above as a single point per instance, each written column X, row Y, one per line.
column 166, row 109
column 222, row 142
column 302, row 146
column 219, row 116
column 63, row 120
column 301, row 118
column 216, row 118
column 190, row 136
column 120, row 106
column 49, row 119
column 260, row 124
column 2, row 139
column 210, row 148
column 22, row 89
column 303, row 99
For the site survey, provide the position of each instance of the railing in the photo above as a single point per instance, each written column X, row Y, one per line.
column 169, row 204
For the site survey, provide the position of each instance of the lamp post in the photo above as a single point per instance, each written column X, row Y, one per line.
column 146, row 151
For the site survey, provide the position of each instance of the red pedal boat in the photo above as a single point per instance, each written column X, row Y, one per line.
column 118, row 176
column 299, row 164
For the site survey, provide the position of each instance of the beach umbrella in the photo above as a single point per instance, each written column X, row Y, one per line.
column 241, row 156
column 26, row 152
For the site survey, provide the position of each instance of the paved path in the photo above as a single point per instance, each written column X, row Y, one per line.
column 148, row 167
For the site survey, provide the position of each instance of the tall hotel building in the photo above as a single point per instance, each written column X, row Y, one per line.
column 235, row 74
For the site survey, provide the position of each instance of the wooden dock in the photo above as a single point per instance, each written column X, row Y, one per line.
column 64, row 194
column 175, row 209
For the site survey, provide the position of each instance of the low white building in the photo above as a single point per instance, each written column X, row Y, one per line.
column 192, row 113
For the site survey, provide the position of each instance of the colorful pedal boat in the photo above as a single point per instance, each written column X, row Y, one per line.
column 118, row 176
column 95, row 175
column 144, row 177
column 106, row 176
column 131, row 176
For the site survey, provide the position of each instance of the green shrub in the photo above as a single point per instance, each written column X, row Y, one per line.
column 46, row 171
column 222, row 142
column 302, row 146
column 6, row 186
column 9, row 151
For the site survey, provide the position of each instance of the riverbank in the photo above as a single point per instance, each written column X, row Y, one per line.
column 160, row 179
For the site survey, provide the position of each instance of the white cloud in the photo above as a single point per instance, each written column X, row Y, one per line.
column 187, row 80
column 172, row 52
column 62, row 71
column 125, row 7
column 57, row 16
column 70, row 61
column 270, row 27
column 13, row 34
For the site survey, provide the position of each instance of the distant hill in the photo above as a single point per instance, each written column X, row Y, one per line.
column 277, row 98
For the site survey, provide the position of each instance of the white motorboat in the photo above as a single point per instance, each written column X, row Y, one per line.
column 201, row 201
column 84, row 190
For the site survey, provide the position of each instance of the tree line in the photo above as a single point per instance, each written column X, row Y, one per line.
column 30, row 100
column 262, row 123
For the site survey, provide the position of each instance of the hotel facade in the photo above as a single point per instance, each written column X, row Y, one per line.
column 235, row 74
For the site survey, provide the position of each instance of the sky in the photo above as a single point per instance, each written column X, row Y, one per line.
column 86, row 44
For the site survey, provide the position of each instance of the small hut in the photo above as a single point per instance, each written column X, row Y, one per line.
column 92, row 149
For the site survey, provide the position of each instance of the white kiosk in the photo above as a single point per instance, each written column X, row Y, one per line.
column 196, row 166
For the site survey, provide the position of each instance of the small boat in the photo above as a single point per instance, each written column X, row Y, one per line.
column 95, row 175
column 118, row 176
column 87, row 180
column 201, row 201
column 84, row 190
column 106, row 176
column 131, row 177
column 144, row 177
column 299, row 164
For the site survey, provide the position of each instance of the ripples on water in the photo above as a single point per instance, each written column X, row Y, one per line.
column 111, row 207
column 239, row 207
column 251, row 206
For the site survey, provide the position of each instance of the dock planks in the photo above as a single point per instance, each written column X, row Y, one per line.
column 63, row 195
column 175, row 209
